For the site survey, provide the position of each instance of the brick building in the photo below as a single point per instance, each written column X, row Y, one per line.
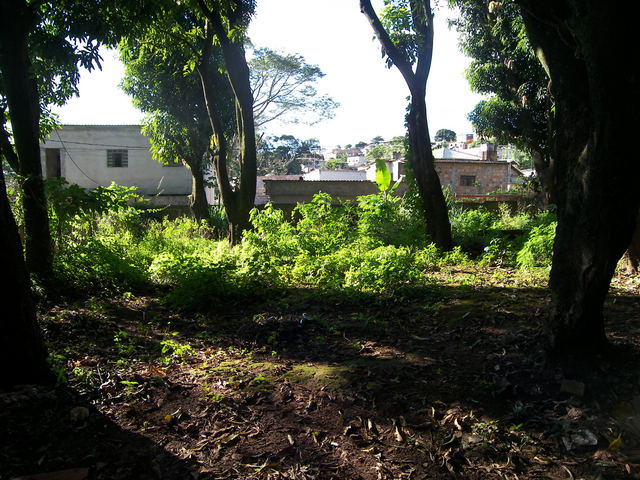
column 470, row 173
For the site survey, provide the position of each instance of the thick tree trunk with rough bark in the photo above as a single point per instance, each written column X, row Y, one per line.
column 23, row 356
column 24, row 112
column 422, row 165
column 198, row 199
column 239, row 199
column 594, row 177
column 429, row 188
column 231, row 196
column 238, row 72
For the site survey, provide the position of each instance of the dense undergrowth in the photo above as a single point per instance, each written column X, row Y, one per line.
column 108, row 242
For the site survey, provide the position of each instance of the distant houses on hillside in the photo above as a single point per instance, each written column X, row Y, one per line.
column 93, row 155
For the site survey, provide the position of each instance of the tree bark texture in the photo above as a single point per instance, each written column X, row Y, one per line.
column 23, row 355
column 422, row 163
column 239, row 199
column 594, row 178
column 229, row 194
column 198, row 199
column 20, row 88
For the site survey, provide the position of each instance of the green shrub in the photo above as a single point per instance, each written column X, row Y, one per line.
column 473, row 229
column 376, row 245
column 269, row 248
column 538, row 249
column 383, row 270
column 75, row 211
column 455, row 257
column 218, row 222
column 210, row 286
column 322, row 228
column 203, row 278
column 98, row 267
column 386, row 220
column 324, row 271
column 501, row 251
column 428, row 258
column 507, row 221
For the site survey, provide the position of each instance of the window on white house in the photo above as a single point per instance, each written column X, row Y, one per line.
column 117, row 158
column 467, row 180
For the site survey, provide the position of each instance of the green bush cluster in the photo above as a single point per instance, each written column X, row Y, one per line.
column 502, row 238
column 376, row 245
column 108, row 244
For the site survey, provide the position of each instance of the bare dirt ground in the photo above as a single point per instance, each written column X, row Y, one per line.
column 449, row 382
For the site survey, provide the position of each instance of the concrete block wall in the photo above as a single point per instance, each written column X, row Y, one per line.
column 283, row 193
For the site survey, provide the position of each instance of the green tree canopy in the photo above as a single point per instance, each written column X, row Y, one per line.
column 445, row 135
column 284, row 88
column 337, row 163
column 379, row 152
column 176, row 120
column 281, row 155
column 505, row 67
column 213, row 33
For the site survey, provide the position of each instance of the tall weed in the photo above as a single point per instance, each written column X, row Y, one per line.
column 538, row 249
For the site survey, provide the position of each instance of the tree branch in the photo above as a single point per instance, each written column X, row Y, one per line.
column 423, row 24
column 388, row 47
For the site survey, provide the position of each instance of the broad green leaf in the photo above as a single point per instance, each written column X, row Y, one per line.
column 383, row 176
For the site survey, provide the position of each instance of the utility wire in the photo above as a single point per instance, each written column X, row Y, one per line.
column 129, row 147
column 73, row 161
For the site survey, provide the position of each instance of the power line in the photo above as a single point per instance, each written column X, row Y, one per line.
column 73, row 161
column 129, row 147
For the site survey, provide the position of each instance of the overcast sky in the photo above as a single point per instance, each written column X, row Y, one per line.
column 336, row 36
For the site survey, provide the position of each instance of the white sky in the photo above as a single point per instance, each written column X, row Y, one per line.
column 336, row 36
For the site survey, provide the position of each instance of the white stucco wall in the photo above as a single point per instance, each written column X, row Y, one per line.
column 83, row 159
column 356, row 161
column 335, row 175
column 394, row 169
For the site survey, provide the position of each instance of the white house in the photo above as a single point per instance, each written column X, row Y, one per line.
column 446, row 153
column 395, row 167
column 356, row 161
column 97, row 155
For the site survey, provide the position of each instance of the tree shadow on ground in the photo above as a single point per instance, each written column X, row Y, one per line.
column 441, row 382
column 47, row 430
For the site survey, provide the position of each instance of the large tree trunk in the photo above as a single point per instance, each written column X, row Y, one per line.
column 228, row 194
column 238, row 72
column 198, row 198
column 238, row 200
column 21, row 92
column 422, row 164
column 429, row 188
column 22, row 351
column 594, row 177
